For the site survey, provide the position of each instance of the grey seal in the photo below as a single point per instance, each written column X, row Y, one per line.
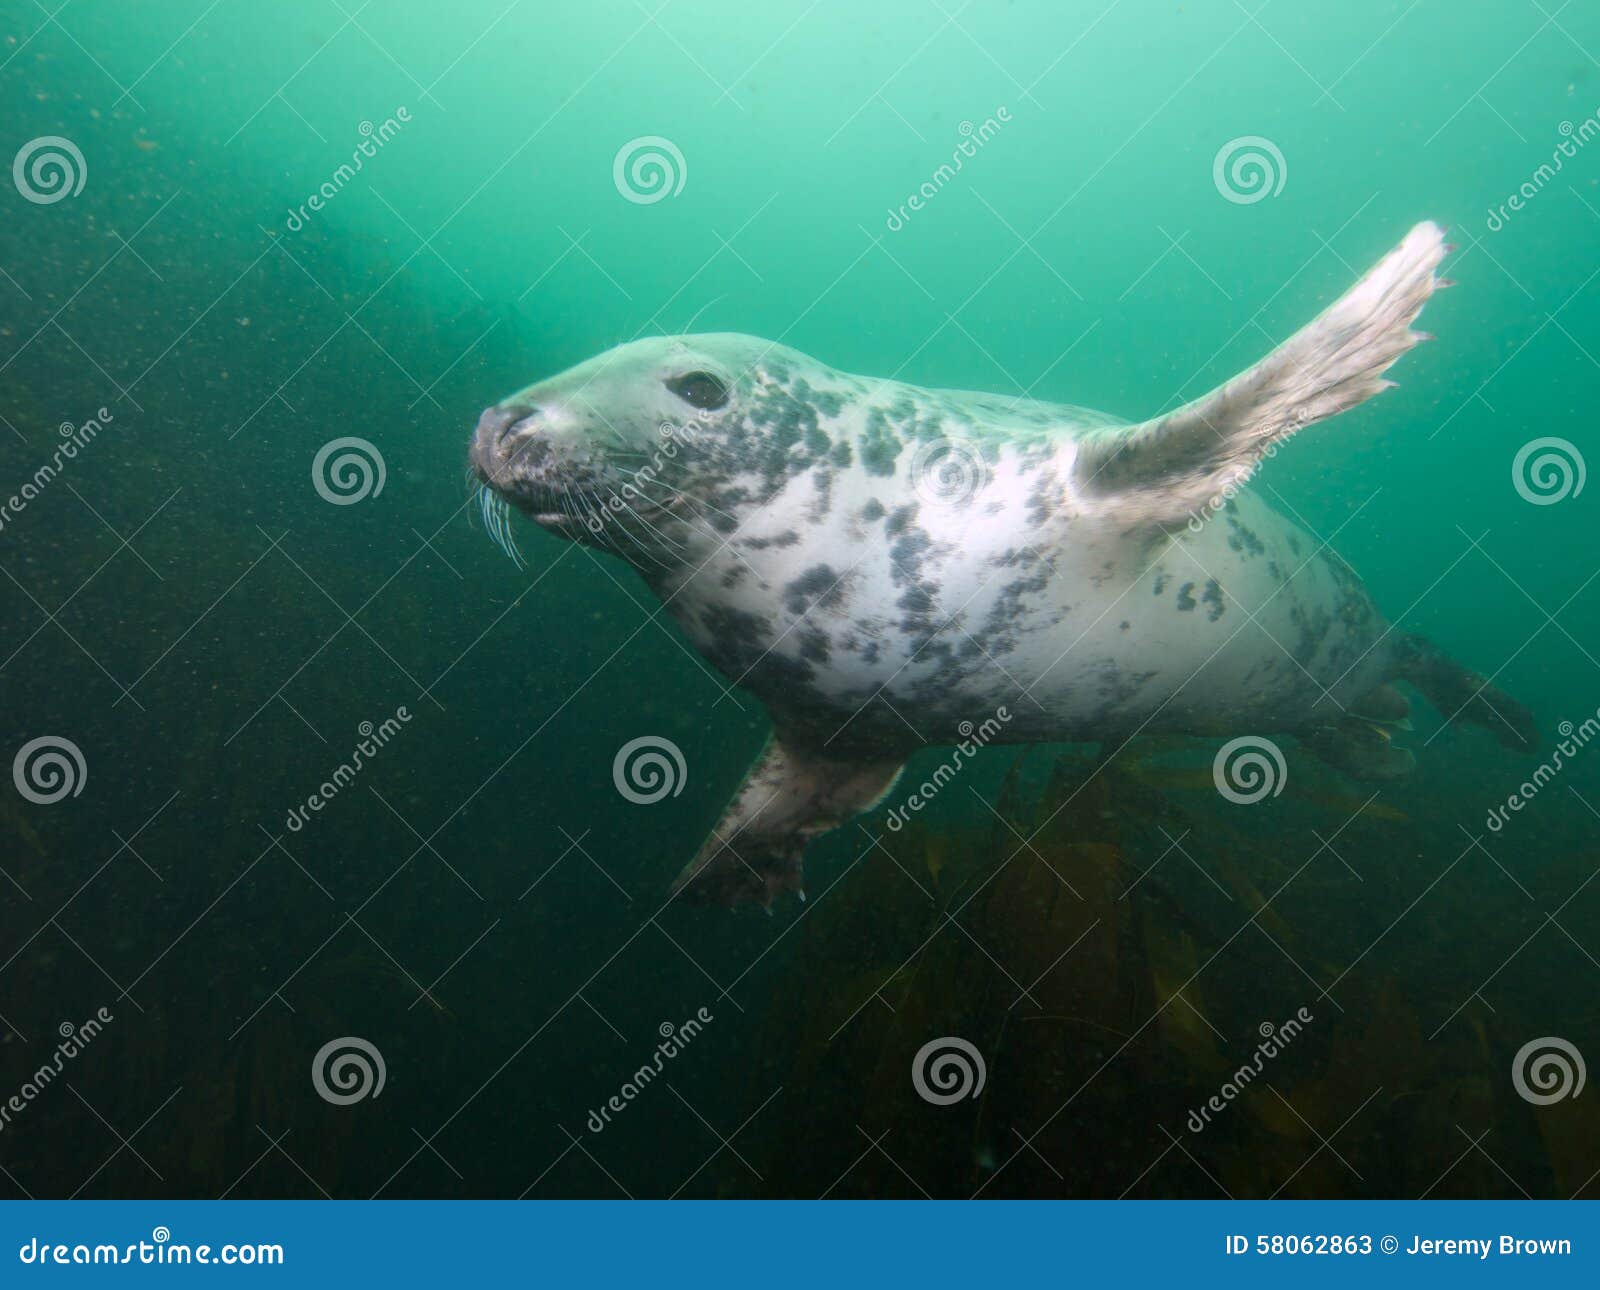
column 887, row 567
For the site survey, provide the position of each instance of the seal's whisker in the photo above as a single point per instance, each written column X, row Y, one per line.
column 569, row 508
column 664, row 539
column 618, row 518
column 689, row 326
column 496, row 515
column 642, row 547
column 678, row 504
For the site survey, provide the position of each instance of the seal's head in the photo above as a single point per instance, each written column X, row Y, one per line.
column 620, row 449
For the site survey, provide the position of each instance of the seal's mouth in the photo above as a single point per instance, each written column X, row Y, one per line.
column 562, row 479
column 514, row 457
column 520, row 465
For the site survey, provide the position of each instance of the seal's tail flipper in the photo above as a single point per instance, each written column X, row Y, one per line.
column 788, row 798
column 1460, row 694
column 1174, row 467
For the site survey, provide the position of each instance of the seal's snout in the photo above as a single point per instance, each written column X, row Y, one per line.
column 497, row 424
column 501, row 431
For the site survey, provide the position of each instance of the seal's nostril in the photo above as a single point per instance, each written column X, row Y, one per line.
column 508, row 421
column 516, row 419
column 498, row 423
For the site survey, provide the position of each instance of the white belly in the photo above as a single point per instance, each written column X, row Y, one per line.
column 896, row 628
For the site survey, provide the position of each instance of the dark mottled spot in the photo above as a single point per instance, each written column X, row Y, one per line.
column 900, row 519
column 818, row 585
column 1213, row 598
column 1244, row 538
column 879, row 444
column 828, row 402
column 1186, row 600
column 787, row 538
column 1042, row 498
column 916, row 600
column 814, row 645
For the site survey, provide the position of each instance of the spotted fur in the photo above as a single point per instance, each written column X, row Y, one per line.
column 884, row 565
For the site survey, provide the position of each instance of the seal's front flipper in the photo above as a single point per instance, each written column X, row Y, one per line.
column 1174, row 467
column 788, row 797
column 1460, row 694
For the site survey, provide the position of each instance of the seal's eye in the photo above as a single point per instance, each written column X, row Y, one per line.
column 700, row 389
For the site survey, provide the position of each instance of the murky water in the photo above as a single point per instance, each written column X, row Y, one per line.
column 318, row 876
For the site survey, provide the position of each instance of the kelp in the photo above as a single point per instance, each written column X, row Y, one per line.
column 1118, row 946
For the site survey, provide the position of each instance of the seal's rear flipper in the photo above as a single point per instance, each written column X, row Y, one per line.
column 1460, row 694
column 788, row 797
column 1176, row 466
column 1359, row 742
column 1361, row 749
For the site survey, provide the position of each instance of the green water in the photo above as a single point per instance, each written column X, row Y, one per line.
column 478, row 903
